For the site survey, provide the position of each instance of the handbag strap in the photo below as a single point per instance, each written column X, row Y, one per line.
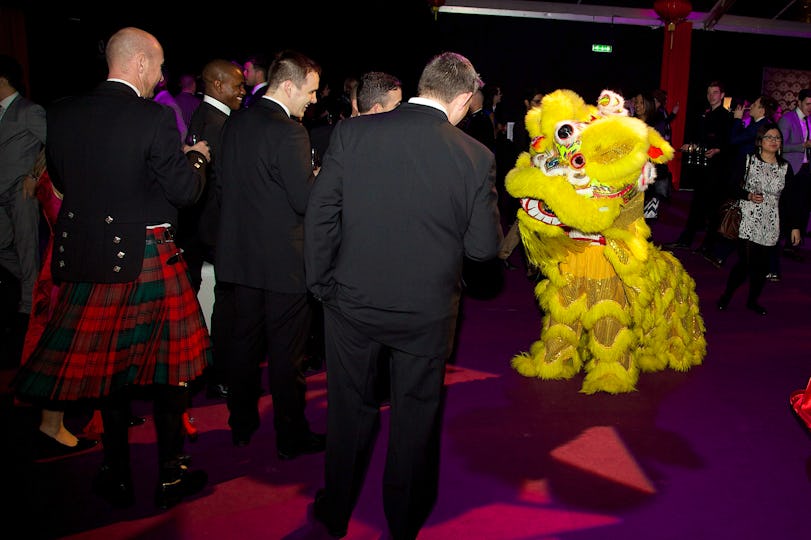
column 749, row 159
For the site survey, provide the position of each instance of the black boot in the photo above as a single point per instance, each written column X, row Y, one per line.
column 177, row 481
column 114, row 481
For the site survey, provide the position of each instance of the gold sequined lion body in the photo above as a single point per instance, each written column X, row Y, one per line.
column 613, row 303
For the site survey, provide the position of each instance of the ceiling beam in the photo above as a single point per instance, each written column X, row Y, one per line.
column 620, row 15
column 718, row 10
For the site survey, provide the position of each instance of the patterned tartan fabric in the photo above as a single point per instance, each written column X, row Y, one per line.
column 104, row 336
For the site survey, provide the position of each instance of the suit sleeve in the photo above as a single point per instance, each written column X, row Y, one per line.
column 786, row 130
column 35, row 119
column 181, row 182
column 296, row 170
column 483, row 236
column 792, row 201
column 322, row 222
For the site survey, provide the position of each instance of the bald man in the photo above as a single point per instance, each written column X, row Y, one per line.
column 126, row 318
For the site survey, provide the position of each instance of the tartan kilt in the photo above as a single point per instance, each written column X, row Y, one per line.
column 104, row 336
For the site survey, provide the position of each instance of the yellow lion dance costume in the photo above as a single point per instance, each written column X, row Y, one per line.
column 613, row 302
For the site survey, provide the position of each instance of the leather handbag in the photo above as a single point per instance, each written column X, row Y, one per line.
column 730, row 219
column 731, row 212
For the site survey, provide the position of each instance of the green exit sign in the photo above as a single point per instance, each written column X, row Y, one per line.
column 599, row 47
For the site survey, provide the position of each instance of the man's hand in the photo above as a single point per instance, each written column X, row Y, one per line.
column 200, row 147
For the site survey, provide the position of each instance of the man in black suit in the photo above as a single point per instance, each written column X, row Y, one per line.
column 478, row 123
column 122, row 321
column 255, row 70
column 265, row 174
column 197, row 231
column 402, row 198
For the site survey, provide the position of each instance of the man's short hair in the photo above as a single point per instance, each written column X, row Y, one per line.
column 374, row 87
column 448, row 75
column 11, row 69
column 260, row 63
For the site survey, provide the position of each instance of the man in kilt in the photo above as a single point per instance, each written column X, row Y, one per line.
column 126, row 321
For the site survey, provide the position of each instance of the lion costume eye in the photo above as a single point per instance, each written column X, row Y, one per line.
column 566, row 134
column 577, row 161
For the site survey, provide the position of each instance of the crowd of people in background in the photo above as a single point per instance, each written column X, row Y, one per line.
column 295, row 209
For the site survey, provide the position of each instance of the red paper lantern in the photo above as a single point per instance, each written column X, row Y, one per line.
column 672, row 12
column 435, row 5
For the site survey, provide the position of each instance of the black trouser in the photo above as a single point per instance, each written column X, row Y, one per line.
column 223, row 315
column 411, row 474
column 275, row 326
column 753, row 261
column 705, row 205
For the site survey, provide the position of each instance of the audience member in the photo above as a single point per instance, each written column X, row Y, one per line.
column 255, row 70
column 741, row 145
column 709, row 133
column 265, row 174
column 54, row 439
column 116, row 327
column 165, row 97
column 224, row 90
column 796, row 128
column 348, row 97
column 378, row 92
column 396, row 295
column 507, row 204
column 187, row 98
column 661, row 117
column 478, row 123
column 767, row 174
column 22, row 136
column 659, row 191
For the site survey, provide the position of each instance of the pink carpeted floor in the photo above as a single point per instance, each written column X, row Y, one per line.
column 713, row 453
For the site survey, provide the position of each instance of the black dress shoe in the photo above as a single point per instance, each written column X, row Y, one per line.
column 137, row 420
column 115, row 488
column 46, row 447
column 181, row 484
column 217, row 391
column 321, row 514
column 760, row 310
column 311, row 443
column 722, row 303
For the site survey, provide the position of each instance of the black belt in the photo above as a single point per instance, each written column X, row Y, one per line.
column 168, row 237
column 153, row 241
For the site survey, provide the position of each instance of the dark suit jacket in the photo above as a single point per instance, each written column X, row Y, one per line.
column 401, row 199
column 265, row 175
column 200, row 221
column 22, row 134
column 479, row 126
column 117, row 159
column 254, row 96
